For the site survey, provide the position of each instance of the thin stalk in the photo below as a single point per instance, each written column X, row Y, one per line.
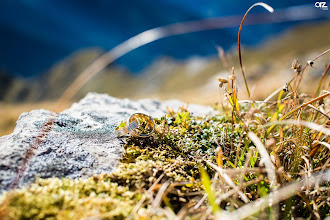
column 172, row 30
column 271, row 10
column 305, row 104
column 322, row 78
column 301, row 75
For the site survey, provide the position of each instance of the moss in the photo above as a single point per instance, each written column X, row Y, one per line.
column 65, row 198
column 114, row 196
column 110, row 196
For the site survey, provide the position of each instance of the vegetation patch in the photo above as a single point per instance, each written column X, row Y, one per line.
column 252, row 159
column 176, row 160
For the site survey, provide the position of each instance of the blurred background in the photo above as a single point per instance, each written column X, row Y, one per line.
column 46, row 44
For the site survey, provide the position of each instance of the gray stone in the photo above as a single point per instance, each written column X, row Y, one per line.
column 77, row 142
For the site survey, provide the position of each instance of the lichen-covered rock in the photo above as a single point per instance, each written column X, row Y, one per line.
column 77, row 142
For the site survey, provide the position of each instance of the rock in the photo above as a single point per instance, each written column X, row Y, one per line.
column 75, row 143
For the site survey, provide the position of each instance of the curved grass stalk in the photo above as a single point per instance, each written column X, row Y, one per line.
column 324, row 144
column 270, row 168
column 268, row 8
column 171, row 30
column 139, row 40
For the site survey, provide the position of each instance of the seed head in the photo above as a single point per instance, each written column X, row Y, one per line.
column 296, row 66
column 222, row 81
column 286, row 87
column 310, row 63
column 232, row 77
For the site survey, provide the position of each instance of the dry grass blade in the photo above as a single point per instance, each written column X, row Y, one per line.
column 244, row 170
column 305, row 104
column 229, row 181
column 222, row 56
column 308, row 170
column 136, row 208
column 170, row 214
column 310, row 125
column 320, row 55
column 233, row 191
column 160, row 194
column 277, row 91
column 270, row 168
column 273, row 94
column 323, row 143
column 270, row 9
column 318, row 110
column 296, row 109
column 171, row 30
column 274, row 197
column 200, row 202
column 139, row 40
column 322, row 79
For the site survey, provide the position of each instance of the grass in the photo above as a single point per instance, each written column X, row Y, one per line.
column 245, row 160
column 252, row 159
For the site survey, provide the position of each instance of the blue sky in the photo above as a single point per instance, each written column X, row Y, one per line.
column 38, row 33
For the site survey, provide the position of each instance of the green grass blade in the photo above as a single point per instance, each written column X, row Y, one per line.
column 210, row 194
